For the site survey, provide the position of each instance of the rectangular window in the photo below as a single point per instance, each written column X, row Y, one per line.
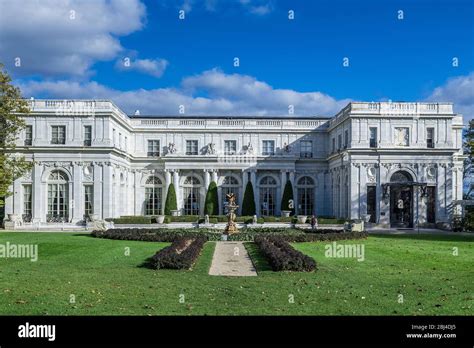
column 88, row 201
column 126, row 143
column 430, row 137
column 58, row 135
column 153, row 148
column 87, row 135
column 306, row 149
column 27, row 203
column 431, row 204
column 373, row 137
column 333, row 145
column 230, row 147
column 346, row 139
column 371, row 202
column 29, row 135
column 120, row 140
column 192, row 147
column 339, row 141
column 268, row 147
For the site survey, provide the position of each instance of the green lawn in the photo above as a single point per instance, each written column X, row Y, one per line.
column 105, row 281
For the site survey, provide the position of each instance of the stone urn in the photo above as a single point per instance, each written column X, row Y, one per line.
column 302, row 219
column 94, row 217
column 366, row 217
column 285, row 213
column 160, row 219
column 175, row 213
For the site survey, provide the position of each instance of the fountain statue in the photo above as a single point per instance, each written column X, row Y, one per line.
column 231, row 208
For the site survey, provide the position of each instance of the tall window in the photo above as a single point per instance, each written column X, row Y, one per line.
column 153, row 196
column 431, row 204
column 305, row 188
column 191, row 189
column 230, row 147
column 58, row 197
column 333, row 145
column 28, row 135
column 268, row 147
column 88, row 201
column 229, row 185
column 306, row 149
column 153, row 148
column 58, row 135
column 373, row 137
column 27, row 203
column 268, row 190
column 430, row 137
column 87, row 135
column 339, row 141
column 191, row 147
column 346, row 139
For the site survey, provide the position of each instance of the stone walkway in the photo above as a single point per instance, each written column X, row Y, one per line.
column 232, row 259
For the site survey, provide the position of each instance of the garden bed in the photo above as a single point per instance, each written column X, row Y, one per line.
column 180, row 255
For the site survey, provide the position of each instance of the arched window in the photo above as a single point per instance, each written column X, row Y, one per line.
column 191, row 197
column 268, row 195
column 229, row 185
column 401, row 176
column 153, row 196
column 58, row 197
column 305, row 189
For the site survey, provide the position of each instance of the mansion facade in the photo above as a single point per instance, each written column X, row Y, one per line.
column 392, row 163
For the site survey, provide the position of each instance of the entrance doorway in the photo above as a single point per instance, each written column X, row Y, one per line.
column 401, row 200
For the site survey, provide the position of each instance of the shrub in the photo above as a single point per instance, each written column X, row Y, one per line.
column 130, row 220
column 277, row 219
column 287, row 197
column 185, row 218
column 248, row 205
column 180, row 255
column 211, row 206
column 170, row 203
column 282, row 256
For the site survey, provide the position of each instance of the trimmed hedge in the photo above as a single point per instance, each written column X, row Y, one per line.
column 282, row 256
column 322, row 220
column 130, row 220
column 287, row 196
column 211, row 205
column 170, row 258
column 170, row 235
column 248, row 205
column 277, row 219
column 171, row 201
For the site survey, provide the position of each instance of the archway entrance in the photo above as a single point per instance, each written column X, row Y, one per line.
column 401, row 200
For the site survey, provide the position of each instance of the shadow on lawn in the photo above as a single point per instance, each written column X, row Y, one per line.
column 434, row 237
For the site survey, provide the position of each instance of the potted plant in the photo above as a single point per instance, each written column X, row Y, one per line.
column 160, row 219
column 285, row 213
column 174, row 212
column 302, row 219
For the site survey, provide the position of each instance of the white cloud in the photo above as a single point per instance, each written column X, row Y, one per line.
column 153, row 67
column 57, row 37
column 460, row 91
column 260, row 10
column 209, row 93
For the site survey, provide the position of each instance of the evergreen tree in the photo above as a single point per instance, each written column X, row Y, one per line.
column 287, row 198
column 171, row 201
column 211, row 206
column 248, row 206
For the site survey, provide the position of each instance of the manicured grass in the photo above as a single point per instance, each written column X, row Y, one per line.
column 106, row 281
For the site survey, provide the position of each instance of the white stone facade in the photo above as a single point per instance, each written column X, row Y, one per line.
column 113, row 165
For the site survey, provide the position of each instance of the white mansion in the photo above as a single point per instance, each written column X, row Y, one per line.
column 393, row 163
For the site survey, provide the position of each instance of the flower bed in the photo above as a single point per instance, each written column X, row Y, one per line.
column 282, row 256
column 180, row 255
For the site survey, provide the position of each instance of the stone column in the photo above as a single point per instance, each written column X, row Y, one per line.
column 167, row 185
column 383, row 208
column 77, row 194
column 253, row 180
column 282, row 189
column 207, row 178
column 177, row 189
column 137, row 197
column 107, row 184
column 214, row 176
column 98, row 190
column 17, row 197
column 38, row 200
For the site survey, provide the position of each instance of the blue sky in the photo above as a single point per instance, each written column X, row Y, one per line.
column 282, row 61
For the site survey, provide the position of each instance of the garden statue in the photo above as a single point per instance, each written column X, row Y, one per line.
column 249, row 149
column 210, row 150
column 286, row 148
column 254, row 219
column 206, row 219
column 171, row 148
column 231, row 208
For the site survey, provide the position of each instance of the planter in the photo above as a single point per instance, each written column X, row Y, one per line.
column 366, row 217
column 285, row 213
column 94, row 217
column 302, row 219
column 175, row 213
column 14, row 217
column 160, row 219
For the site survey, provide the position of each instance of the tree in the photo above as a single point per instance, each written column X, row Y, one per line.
column 248, row 206
column 469, row 161
column 211, row 207
column 287, row 198
column 12, row 108
column 171, row 201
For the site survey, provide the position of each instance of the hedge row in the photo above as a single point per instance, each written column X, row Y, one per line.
column 126, row 220
column 170, row 235
column 169, row 257
column 282, row 256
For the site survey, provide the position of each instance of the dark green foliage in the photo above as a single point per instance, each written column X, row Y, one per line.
column 248, row 206
column 184, row 218
column 287, row 196
column 130, row 220
column 211, row 206
column 171, row 202
column 282, row 256
column 170, row 258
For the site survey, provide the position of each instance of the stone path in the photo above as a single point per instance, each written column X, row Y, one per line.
column 232, row 259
